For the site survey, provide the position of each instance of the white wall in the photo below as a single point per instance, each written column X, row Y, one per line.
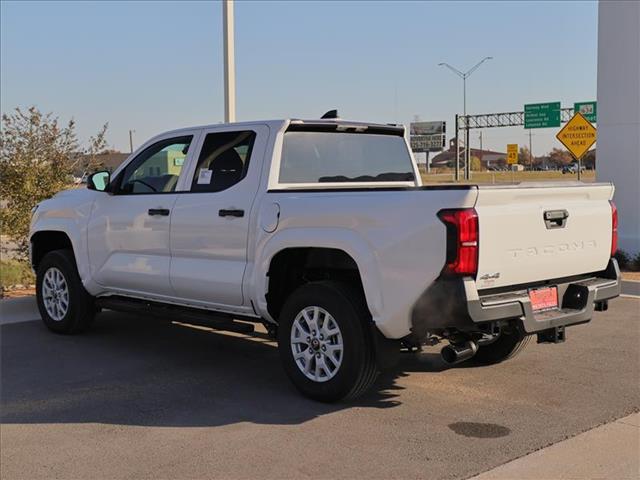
column 618, row 157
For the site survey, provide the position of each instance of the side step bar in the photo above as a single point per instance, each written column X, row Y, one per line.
column 192, row 316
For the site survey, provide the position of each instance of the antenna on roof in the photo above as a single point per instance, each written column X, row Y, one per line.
column 330, row 114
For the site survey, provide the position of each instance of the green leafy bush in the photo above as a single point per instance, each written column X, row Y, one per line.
column 37, row 157
column 13, row 272
column 628, row 261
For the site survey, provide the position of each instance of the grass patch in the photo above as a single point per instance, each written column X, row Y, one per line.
column 13, row 272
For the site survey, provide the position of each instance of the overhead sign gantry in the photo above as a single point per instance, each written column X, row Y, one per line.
column 540, row 115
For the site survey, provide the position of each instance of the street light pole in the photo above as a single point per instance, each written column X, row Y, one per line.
column 466, row 128
column 464, row 76
column 464, row 95
column 229, row 62
column 131, row 140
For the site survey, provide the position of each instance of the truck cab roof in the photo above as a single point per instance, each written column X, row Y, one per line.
column 338, row 123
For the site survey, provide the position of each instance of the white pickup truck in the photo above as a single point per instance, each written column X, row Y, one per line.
column 322, row 231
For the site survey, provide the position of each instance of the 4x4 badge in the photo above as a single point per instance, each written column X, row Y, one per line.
column 490, row 276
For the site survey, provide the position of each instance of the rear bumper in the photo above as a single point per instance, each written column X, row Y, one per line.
column 463, row 307
column 577, row 302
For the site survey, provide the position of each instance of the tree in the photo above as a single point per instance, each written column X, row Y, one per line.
column 476, row 164
column 37, row 155
column 560, row 157
column 524, row 158
column 589, row 160
column 97, row 147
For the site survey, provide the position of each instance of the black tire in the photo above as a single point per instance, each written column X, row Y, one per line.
column 508, row 345
column 357, row 370
column 81, row 307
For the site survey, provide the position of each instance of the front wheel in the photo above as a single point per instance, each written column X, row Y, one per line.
column 65, row 306
column 325, row 342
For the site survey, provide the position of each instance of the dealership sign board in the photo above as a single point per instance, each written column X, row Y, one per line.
column 427, row 136
column 427, row 143
column 542, row 115
column 578, row 135
column 427, row 128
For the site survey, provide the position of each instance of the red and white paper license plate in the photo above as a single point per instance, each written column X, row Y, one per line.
column 544, row 298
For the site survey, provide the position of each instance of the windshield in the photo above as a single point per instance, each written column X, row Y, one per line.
column 322, row 157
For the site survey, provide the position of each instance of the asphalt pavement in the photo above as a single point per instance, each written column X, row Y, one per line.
column 144, row 398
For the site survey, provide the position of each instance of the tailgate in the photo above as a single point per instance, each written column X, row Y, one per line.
column 523, row 237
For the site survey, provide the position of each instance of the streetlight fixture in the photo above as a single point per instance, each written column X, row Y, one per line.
column 131, row 132
column 464, row 76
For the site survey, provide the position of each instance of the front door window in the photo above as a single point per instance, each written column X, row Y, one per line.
column 157, row 168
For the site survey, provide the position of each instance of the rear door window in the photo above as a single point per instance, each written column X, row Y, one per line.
column 224, row 160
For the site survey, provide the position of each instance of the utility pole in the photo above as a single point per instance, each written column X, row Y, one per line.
column 229, row 62
column 131, row 140
column 464, row 76
column 457, row 164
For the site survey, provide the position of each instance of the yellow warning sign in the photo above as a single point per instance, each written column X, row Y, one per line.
column 578, row 135
column 512, row 153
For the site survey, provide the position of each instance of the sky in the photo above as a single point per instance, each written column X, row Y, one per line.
column 151, row 66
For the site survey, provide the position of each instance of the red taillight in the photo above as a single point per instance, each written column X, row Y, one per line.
column 462, row 241
column 614, row 228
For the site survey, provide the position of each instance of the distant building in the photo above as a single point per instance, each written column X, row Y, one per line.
column 107, row 161
column 488, row 158
column 162, row 163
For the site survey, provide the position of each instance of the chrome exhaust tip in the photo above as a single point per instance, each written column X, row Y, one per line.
column 459, row 352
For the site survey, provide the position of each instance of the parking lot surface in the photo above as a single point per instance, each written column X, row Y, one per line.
column 140, row 398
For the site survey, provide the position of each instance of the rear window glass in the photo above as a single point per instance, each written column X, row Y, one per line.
column 323, row 157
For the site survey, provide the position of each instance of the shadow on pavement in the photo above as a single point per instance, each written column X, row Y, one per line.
column 139, row 371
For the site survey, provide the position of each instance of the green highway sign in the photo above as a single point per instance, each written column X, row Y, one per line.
column 587, row 109
column 542, row 115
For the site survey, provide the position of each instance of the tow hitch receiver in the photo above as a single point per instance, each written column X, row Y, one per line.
column 552, row 335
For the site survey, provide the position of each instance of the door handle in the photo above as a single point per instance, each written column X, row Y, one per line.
column 230, row 213
column 158, row 211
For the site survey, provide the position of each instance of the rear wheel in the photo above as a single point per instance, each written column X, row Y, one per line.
column 65, row 306
column 325, row 342
column 509, row 344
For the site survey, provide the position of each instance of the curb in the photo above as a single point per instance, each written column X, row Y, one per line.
column 631, row 288
column 606, row 451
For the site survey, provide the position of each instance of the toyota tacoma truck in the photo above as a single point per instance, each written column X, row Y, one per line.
column 323, row 231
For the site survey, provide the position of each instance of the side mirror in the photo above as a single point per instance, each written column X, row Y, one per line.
column 98, row 181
